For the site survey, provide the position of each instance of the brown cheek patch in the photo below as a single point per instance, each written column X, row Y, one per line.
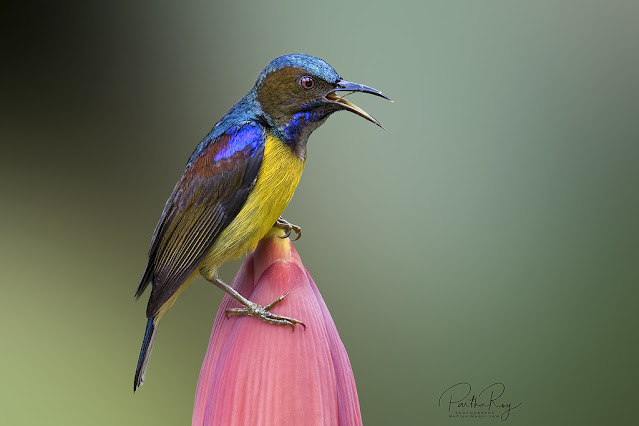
column 280, row 90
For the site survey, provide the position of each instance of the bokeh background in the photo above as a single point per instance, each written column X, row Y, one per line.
column 490, row 234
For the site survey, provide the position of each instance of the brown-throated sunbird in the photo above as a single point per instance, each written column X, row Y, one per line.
column 237, row 183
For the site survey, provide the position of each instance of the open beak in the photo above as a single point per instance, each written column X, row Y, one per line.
column 344, row 85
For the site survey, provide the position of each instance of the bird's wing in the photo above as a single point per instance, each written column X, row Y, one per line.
column 211, row 192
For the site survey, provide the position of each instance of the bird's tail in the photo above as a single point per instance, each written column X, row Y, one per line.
column 145, row 352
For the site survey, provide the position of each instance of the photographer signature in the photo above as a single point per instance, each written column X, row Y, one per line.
column 458, row 396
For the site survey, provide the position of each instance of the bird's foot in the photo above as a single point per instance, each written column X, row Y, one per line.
column 288, row 227
column 262, row 312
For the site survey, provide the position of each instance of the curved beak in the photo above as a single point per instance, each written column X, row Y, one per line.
column 343, row 85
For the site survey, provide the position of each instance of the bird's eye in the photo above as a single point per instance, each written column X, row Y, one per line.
column 307, row 82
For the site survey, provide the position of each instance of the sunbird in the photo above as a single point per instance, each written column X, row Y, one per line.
column 238, row 182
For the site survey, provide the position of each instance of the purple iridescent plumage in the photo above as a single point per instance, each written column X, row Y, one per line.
column 299, row 123
column 245, row 137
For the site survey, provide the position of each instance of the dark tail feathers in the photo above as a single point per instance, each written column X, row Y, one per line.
column 145, row 352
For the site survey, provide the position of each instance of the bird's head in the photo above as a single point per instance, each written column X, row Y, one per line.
column 298, row 92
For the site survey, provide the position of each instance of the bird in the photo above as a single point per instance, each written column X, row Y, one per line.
column 237, row 183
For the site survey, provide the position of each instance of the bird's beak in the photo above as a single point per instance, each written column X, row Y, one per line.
column 343, row 85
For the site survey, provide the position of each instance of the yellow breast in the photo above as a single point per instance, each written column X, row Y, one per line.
column 276, row 182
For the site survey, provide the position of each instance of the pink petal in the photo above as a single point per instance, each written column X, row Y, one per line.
column 258, row 373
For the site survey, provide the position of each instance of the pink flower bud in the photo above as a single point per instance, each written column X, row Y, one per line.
column 256, row 373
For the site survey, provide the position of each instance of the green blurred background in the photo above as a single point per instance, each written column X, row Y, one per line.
column 490, row 234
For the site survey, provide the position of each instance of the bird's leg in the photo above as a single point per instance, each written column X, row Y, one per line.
column 255, row 310
column 287, row 227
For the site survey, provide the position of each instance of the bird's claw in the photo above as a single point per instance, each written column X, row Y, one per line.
column 288, row 227
column 263, row 313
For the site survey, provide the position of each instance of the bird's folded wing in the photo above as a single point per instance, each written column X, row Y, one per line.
column 213, row 189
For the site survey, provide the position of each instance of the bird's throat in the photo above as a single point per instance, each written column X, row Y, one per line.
column 295, row 131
